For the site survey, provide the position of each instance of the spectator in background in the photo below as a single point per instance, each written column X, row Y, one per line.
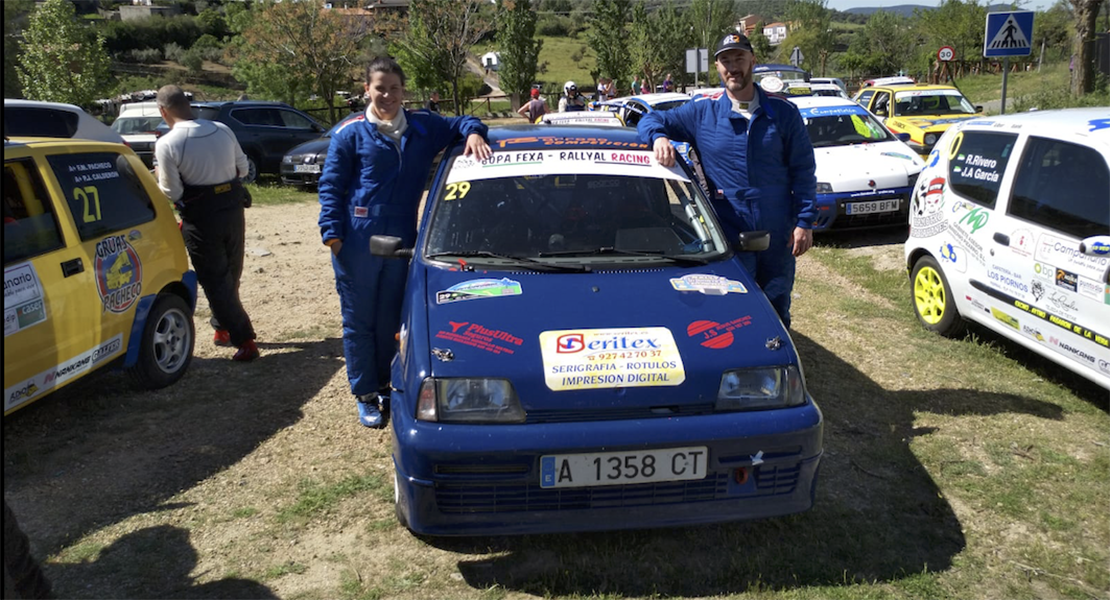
column 668, row 84
column 534, row 108
column 571, row 101
column 433, row 103
column 636, row 85
column 371, row 184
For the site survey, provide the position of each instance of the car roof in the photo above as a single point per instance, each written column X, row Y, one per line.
column 821, row 101
column 64, row 145
column 241, row 103
column 88, row 126
column 759, row 68
column 530, row 137
column 1087, row 122
column 653, row 99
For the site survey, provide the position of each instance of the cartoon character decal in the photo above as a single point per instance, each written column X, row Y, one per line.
column 119, row 273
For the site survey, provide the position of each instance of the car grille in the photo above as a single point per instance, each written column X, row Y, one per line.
column 618, row 414
column 458, row 498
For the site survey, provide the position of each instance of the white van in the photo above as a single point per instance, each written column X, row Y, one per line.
column 1010, row 228
column 137, row 122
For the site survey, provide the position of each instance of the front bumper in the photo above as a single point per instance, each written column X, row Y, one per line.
column 291, row 177
column 485, row 480
column 832, row 210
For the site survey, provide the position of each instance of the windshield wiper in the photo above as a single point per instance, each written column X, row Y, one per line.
column 611, row 251
column 524, row 261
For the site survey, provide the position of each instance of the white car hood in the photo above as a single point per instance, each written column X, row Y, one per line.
column 851, row 168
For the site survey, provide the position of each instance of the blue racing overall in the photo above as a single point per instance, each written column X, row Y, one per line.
column 371, row 185
column 761, row 174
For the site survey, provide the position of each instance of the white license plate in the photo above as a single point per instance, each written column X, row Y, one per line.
column 620, row 468
column 306, row 168
column 875, row 206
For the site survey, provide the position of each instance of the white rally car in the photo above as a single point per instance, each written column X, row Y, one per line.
column 864, row 173
column 1010, row 228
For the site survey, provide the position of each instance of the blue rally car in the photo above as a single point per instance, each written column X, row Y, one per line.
column 580, row 350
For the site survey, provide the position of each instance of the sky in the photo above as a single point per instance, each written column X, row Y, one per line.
column 846, row 4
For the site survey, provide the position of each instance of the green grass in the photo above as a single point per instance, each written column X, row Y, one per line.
column 557, row 53
column 268, row 190
column 315, row 497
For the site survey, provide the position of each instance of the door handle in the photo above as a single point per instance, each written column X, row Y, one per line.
column 73, row 267
column 1002, row 238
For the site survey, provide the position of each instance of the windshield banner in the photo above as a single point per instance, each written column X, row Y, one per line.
column 831, row 111
column 533, row 163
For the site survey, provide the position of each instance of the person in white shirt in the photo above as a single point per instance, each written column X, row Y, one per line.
column 199, row 163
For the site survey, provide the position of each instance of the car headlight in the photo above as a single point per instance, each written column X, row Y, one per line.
column 287, row 159
column 767, row 387
column 469, row 400
column 824, row 188
column 930, row 139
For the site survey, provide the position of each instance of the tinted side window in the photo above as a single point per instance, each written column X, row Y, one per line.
column 206, row 113
column 865, row 97
column 39, row 122
column 30, row 225
column 103, row 192
column 258, row 116
column 292, row 119
column 977, row 160
column 1063, row 186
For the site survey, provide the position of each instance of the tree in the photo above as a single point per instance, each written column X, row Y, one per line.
column 303, row 43
column 760, row 44
column 954, row 23
column 437, row 43
column 813, row 34
column 882, row 47
column 62, row 59
column 520, row 51
column 1086, row 12
column 15, row 21
column 608, row 37
column 710, row 20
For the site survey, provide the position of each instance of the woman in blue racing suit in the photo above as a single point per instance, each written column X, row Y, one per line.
column 371, row 184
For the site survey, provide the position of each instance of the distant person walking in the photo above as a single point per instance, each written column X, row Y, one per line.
column 199, row 166
column 668, row 83
column 534, row 108
column 433, row 103
column 636, row 85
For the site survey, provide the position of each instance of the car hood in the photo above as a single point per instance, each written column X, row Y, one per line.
column 926, row 123
column 316, row 146
column 653, row 337
column 850, row 168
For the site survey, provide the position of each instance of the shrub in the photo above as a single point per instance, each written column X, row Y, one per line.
column 173, row 52
column 552, row 26
column 193, row 60
column 145, row 56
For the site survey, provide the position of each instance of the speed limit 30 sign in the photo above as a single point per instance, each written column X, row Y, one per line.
column 946, row 53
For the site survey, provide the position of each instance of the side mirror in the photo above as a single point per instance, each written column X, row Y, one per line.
column 905, row 137
column 978, row 108
column 388, row 246
column 1096, row 245
column 754, row 241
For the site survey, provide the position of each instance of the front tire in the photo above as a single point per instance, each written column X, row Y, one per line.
column 252, row 170
column 167, row 345
column 933, row 302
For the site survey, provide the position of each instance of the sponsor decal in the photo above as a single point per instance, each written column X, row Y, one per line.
column 1066, row 255
column 1044, row 315
column 831, row 111
column 1062, row 302
column 934, row 157
column 1104, row 366
column 926, row 218
column 610, row 358
column 119, row 273
column 1002, row 278
column 896, row 155
column 971, row 245
column 1005, row 318
column 1067, row 280
column 1037, row 288
column 479, row 288
column 976, row 303
column 953, row 255
column 1100, row 248
column 483, row 338
column 1097, row 124
column 977, row 167
column 58, row 375
column 975, row 217
column 1046, row 271
column 1032, row 332
column 24, row 303
column 361, row 212
column 619, row 159
column 710, row 285
column 1021, row 242
column 1076, row 352
column 712, row 334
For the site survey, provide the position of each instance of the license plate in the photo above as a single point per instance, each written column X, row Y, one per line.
column 306, row 168
column 621, row 468
column 875, row 206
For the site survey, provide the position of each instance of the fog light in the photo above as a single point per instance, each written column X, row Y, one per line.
column 740, row 475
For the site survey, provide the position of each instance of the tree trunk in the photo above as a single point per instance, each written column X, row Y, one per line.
column 1086, row 13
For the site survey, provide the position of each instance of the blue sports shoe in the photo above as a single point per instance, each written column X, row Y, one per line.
column 369, row 415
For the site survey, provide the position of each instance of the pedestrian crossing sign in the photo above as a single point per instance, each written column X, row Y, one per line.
column 1009, row 34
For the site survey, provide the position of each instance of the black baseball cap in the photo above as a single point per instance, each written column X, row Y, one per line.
column 733, row 41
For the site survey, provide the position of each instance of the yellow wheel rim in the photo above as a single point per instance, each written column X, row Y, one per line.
column 928, row 295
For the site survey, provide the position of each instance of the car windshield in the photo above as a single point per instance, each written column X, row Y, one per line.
column 931, row 102
column 785, row 75
column 668, row 105
column 136, row 125
column 843, row 126
column 565, row 208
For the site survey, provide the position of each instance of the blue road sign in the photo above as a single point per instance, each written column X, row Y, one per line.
column 1009, row 34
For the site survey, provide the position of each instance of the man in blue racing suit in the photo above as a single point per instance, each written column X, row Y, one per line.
column 758, row 159
column 371, row 184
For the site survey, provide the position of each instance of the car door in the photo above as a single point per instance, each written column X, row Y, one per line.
column 301, row 129
column 982, row 275
column 50, row 299
column 1044, row 222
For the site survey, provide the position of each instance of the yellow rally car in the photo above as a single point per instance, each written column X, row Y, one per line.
column 920, row 110
column 95, row 269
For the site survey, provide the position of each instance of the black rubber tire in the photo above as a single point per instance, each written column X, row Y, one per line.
column 252, row 170
column 167, row 345
column 932, row 298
